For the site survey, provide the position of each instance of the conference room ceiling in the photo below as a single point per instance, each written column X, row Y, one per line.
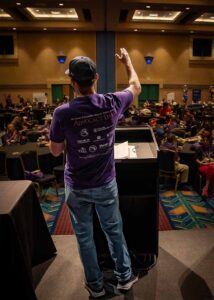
column 166, row 16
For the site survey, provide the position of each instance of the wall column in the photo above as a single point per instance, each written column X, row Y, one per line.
column 105, row 60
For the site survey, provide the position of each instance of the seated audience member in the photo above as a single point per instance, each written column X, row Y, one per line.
column 189, row 121
column 45, row 129
column 204, row 131
column 12, row 136
column 169, row 144
column 171, row 124
column 26, row 123
column 9, row 103
column 205, row 160
column 19, row 125
column 165, row 110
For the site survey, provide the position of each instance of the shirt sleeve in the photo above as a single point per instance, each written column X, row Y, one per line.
column 56, row 131
column 125, row 99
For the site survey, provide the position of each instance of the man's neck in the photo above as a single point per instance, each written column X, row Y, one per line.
column 78, row 94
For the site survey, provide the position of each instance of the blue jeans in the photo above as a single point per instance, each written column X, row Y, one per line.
column 105, row 201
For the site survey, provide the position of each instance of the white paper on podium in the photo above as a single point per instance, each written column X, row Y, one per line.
column 121, row 150
column 124, row 150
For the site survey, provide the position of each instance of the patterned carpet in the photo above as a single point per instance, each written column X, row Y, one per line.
column 183, row 210
column 56, row 213
column 187, row 209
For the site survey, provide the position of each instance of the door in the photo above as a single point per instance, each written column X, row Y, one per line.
column 61, row 90
column 149, row 92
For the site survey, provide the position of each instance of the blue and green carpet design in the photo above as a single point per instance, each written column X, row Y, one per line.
column 180, row 210
column 187, row 209
column 56, row 213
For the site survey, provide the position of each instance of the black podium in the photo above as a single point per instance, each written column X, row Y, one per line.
column 138, row 187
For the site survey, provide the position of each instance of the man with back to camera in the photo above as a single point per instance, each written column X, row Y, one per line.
column 86, row 127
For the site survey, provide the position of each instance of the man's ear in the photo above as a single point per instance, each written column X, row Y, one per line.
column 97, row 76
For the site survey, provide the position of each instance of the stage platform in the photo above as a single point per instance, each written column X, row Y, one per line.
column 184, row 270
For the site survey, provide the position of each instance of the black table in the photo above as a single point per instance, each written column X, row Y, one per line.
column 24, row 239
column 46, row 160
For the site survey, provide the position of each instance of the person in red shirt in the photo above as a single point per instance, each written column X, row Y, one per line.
column 165, row 110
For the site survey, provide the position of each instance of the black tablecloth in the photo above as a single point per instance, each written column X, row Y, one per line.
column 24, row 239
column 46, row 160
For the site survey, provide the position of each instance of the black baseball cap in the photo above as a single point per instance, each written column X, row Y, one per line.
column 81, row 68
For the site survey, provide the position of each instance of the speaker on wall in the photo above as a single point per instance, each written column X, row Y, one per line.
column 202, row 47
column 6, row 45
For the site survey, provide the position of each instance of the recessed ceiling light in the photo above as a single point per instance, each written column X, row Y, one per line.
column 191, row 31
column 148, row 6
column 162, row 30
column 55, row 12
column 61, row 4
column 74, row 29
column 18, row 3
column 44, row 28
column 187, row 8
column 37, row 10
column 205, row 18
column 135, row 29
column 14, row 28
column 152, row 16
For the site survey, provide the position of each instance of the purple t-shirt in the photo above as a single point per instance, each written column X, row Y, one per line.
column 87, row 125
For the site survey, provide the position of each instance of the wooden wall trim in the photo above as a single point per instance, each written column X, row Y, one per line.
column 180, row 86
column 23, row 86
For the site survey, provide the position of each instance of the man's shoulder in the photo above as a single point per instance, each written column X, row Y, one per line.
column 61, row 108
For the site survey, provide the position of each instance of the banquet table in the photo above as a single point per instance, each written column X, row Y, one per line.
column 46, row 160
column 24, row 239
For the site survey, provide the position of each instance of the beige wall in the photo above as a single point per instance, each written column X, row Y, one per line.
column 37, row 65
column 171, row 68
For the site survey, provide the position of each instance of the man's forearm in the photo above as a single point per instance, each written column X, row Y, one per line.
column 56, row 148
column 134, row 83
column 133, row 77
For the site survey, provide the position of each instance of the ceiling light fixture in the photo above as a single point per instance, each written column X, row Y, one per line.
column 18, row 3
column 162, row 30
column 148, row 6
column 53, row 13
column 153, row 15
column 44, row 28
column 61, row 4
column 74, row 29
column 187, row 8
column 135, row 29
column 14, row 28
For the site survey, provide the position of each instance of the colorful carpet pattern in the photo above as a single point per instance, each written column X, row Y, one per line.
column 181, row 210
column 56, row 213
column 187, row 209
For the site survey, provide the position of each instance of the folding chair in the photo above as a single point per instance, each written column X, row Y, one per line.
column 30, row 163
column 167, row 166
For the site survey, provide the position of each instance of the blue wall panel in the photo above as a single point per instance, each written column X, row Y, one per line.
column 105, row 60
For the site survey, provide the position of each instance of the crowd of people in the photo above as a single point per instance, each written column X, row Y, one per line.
column 173, row 126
